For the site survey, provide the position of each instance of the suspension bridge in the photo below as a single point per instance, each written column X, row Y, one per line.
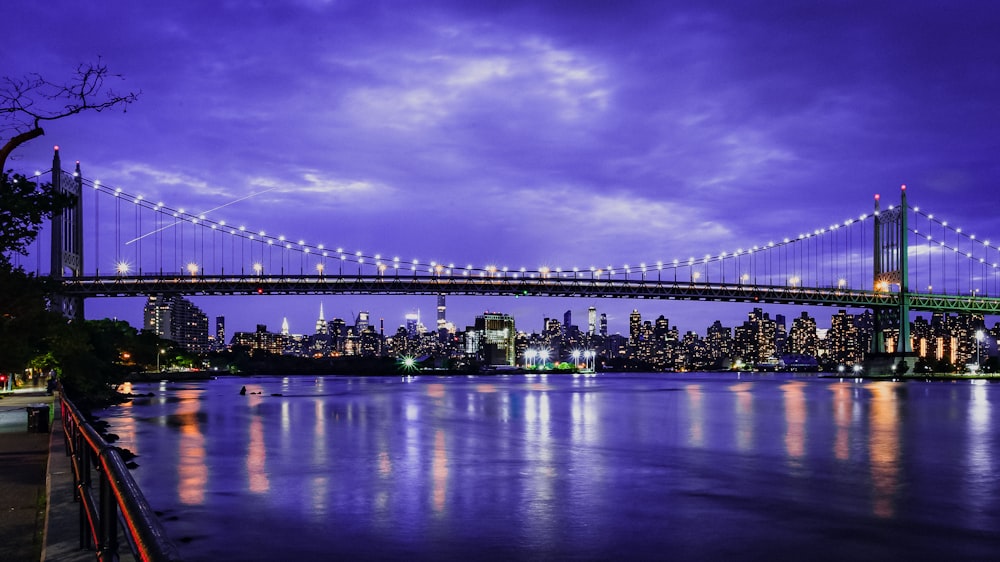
column 892, row 260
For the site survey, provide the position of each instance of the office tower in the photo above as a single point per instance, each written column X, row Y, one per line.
column 361, row 321
column 567, row 322
column 591, row 321
column 604, row 325
column 284, row 326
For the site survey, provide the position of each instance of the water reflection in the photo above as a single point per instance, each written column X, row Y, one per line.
column 696, row 432
column 614, row 467
column 256, row 461
column 842, row 392
column 795, row 420
column 883, row 446
column 979, row 456
column 192, row 471
column 439, row 472
column 744, row 421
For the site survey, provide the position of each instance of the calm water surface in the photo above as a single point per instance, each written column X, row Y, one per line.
column 612, row 466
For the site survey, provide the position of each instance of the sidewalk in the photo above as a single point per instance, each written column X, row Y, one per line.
column 23, row 468
column 39, row 520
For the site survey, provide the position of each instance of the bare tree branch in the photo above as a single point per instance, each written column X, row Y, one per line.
column 27, row 102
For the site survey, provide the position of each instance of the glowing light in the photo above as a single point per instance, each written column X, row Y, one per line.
column 122, row 267
column 192, row 268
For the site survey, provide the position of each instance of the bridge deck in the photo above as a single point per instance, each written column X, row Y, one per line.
column 115, row 286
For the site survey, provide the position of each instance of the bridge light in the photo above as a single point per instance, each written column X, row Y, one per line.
column 192, row 268
column 260, row 290
column 258, row 268
column 122, row 267
column 319, row 268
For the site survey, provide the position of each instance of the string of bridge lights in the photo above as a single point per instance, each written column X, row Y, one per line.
column 973, row 241
column 441, row 268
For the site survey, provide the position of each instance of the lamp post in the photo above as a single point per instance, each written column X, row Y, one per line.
column 161, row 352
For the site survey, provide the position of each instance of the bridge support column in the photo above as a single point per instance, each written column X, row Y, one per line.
column 890, row 261
column 67, row 237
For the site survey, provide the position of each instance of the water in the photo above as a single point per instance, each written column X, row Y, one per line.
column 612, row 466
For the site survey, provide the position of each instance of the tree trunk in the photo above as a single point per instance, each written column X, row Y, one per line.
column 17, row 141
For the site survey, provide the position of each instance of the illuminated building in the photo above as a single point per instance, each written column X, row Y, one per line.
column 492, row 339
column 220, row 331
column 754, row 341
column 843, row 341
column 177, row 319
column 442, row 322
column 322, row 328
column 591, row 321
column 802, row 338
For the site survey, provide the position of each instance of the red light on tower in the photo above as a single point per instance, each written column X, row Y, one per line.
column 903, row 187
column 56, row 148
column 876, row 197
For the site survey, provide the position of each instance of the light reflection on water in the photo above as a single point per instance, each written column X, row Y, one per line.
column 606, row 466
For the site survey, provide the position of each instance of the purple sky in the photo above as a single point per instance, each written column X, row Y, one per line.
column 527, row 133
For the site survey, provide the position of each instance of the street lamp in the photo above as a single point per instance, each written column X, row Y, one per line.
column 162, row 351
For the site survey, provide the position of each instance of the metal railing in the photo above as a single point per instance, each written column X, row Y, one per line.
column 117, row 495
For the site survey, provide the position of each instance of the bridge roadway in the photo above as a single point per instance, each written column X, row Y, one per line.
column 551, row 286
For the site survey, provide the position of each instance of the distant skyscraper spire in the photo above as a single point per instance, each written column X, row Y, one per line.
column 284, row 326
column 321, row 325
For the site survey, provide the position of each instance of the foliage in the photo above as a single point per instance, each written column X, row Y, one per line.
column 24, row 206
column 24, row 317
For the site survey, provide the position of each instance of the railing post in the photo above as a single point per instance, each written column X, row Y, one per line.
column 108, row 509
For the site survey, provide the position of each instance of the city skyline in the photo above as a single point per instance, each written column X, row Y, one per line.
column 527, row 134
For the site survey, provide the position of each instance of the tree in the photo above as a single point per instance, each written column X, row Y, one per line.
column 27, row 102
column 24, row 206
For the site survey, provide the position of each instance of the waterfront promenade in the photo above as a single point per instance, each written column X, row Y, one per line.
column 38, row 518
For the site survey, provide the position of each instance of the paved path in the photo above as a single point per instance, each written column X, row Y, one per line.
column 23, row 468
column 39, row 520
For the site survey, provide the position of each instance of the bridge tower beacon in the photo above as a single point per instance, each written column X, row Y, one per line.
column 67, row 236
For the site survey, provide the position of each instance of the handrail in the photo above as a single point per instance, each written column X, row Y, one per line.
column 117, row 494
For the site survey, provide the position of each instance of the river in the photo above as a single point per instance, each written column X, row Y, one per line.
column 691, row 466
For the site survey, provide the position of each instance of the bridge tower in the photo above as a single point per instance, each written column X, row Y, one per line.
column 890, row 263
column 67, row 236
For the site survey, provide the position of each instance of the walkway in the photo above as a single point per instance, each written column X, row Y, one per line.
column 36, row 474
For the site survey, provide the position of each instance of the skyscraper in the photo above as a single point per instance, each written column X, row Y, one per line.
column 321, row 326
column 220, row 332
column 591, row 321
column 177, row 319
column 442, row 323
